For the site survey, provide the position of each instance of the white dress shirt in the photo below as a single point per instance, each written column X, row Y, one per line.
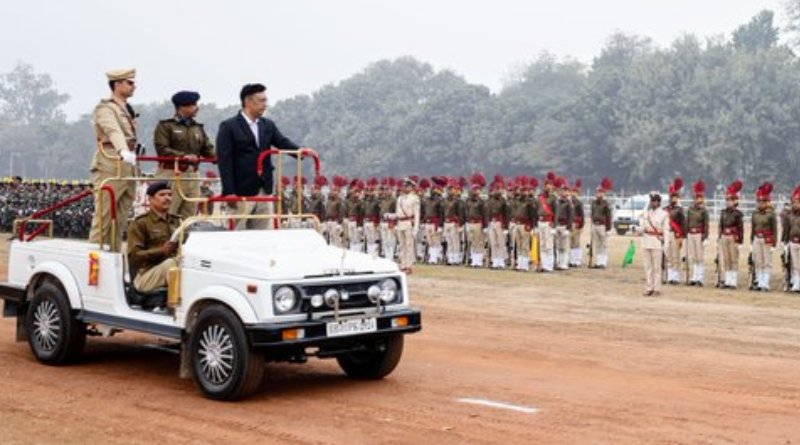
column 253, row 126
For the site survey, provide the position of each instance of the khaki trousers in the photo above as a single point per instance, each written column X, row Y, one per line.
column 575, row 238
column 476, row 240
column 124, row 193
column 155, row 277
column 497, row 240
column 729, row 250
column 652, row 268
column 546, row 241
column 255, row 208
column 388, row 238
column 405, row 245
column 522, row 240
column 674, row 252
column 189, row 186
column 599, row 240
column 334, row 231
column 433, row 236
column 794, row 251
column 453, row 237
column 762, row 257
column 696, row 249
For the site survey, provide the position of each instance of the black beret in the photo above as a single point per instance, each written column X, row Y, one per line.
column 185, row 98
column 156, row 187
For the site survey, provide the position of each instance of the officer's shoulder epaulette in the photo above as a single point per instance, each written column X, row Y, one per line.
column 143, row 215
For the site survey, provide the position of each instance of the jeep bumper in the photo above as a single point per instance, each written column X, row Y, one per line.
column 314, row 332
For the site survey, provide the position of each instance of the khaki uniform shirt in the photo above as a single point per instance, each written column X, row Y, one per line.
column 116, row 131
column 147, row 235
column 655, row 226
column 408, row 211
column 176, row 137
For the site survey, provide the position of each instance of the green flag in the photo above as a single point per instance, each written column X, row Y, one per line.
column 629, row 255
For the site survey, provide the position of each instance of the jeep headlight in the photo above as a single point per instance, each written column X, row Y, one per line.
column 285, row 299
column 374, row 293
column 388, row 290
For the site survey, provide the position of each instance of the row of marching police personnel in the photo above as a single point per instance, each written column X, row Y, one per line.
column 515, row 227
column 688, row 234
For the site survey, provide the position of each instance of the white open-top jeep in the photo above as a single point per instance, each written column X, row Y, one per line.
column 237, row 300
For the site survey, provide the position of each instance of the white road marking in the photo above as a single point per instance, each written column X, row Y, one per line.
column 501, row 405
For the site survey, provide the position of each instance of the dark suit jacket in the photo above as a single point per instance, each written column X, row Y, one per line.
column 237, row 155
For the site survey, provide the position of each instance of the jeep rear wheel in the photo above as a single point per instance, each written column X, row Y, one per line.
column 54, row 335
column 376, row 362
column 223, row 365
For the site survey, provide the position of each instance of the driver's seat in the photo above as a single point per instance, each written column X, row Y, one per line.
column 146, row 300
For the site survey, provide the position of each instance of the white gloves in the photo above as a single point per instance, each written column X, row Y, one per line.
column 609, row 233
column 740, row 246
column 128, row 157
column 771, row 249
column 705, row 243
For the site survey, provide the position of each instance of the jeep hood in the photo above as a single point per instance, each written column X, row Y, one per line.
column 276, row 254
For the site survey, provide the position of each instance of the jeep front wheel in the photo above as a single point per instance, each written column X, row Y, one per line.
column 378, row 360
column 223, row 365
column 54, row 335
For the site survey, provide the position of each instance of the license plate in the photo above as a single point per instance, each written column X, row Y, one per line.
column 352, row 326
column 623, row 227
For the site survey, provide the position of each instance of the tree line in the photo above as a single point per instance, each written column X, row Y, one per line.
column 717, row 108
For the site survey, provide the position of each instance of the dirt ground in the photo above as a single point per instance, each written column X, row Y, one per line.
column 599, row 363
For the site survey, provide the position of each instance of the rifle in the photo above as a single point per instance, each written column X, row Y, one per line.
column 590, row 250
column 786, row 262
column 751, row 269
column 686, row 266
column 663, row 267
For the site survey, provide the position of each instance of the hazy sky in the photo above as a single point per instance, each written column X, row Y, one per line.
column 297, row 46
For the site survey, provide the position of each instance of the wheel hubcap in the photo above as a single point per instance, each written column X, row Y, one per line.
column 46, row 325
column 216, row 354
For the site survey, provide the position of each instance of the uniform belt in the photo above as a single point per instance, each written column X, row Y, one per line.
column 599, row 222
column 434, row 221
column 696, row 230
column 653, row 232
column 453, row 220
column 525, row 221
column 405, row 218
column 563, row 222
column 476, row 220
column 795, row 239
column 730, row 231
column 546, row 218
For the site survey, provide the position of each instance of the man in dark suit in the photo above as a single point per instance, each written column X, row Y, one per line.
column 240, row 141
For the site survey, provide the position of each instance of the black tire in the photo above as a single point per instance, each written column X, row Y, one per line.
column 621, row 232
column 223, row 365
column 54, row 335
column 376, row 363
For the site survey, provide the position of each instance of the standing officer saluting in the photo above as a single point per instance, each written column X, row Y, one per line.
column 181, row 136
column 115, row 126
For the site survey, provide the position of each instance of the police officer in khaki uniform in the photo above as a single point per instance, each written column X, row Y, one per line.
column 547, row 214
column 497, row 212
column 454, row 213
column 115, row 127
column 601, row 224
column 763, row 236
column 791, row 239
column 655, row 225
column 475, row 210
column 576, row 248
column 564, row 219
column 677, row 232
column 388, row 203
column 150, row 250
column 408, row 219
column 697, row 224
column 731, row 236
column 524, row 217
column 334, row 213
column 183, row 137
